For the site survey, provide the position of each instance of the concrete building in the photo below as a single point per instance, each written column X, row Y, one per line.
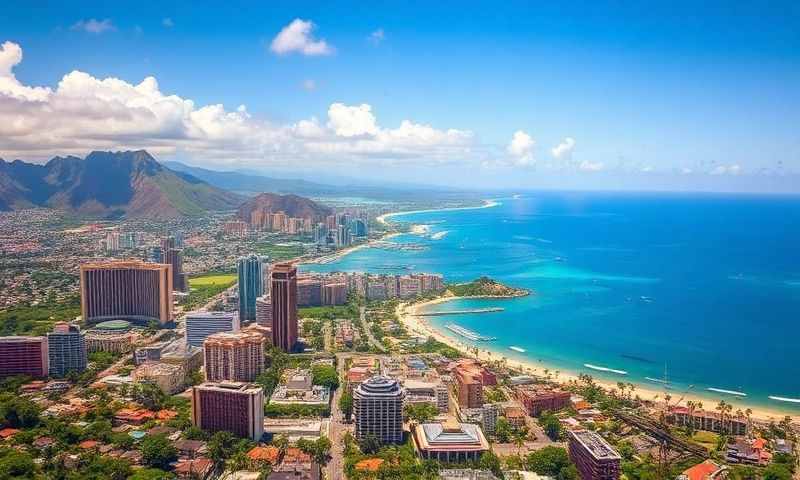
column 284, row 306
column 537, row 400
column 66, row 346
column 300, row 390
column 450, row 442
column 309, row 292
column 104, row 341
column 234, row 356
column 705, row 420
column 173, row 256
column 166, row 376
column 131, row 290
column 378, row 409
column 200, row 325
column 264, row 311
column 23, row 356
column 594, row 458
column 334, row 294
column 251, row 270
column 431, row 392
column 237, row 408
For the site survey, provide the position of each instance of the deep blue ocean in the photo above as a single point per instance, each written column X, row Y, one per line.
column 707, row 286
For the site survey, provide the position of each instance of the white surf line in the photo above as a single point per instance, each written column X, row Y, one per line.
column 386, row 216
column 605, row 369
column 784, row 399
column 729, row 392
column 517, row 349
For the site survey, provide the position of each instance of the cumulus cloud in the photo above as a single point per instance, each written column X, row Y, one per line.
column 588, row 166
column 377, row 36
column 521, row 148
column 167, row 22
column 298, row 37
column 564, row 149
column 94, row 26
column 726, row 170
column 83, row 113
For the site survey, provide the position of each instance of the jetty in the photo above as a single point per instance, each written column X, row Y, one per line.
column 461, row 312
column 468, row 334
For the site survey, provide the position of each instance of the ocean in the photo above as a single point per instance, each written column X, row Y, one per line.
column 700, row 289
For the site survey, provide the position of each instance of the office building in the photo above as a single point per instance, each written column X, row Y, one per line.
column 252, row 270
column 236, row 357
column 450, row 442
column 200, row 325
column 232, row 407
column 264, row 311
column 334, row 294
column 66, row 346
column 23, row 356
column 131, row 290
column 168, row 377
column 594, row 458
column 284, row 306
column 378, row 409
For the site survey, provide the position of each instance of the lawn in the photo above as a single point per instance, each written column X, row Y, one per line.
column 204, row 287
column 706, row 439
column 221, row 279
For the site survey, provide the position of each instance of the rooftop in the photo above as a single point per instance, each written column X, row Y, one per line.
column 595, row 444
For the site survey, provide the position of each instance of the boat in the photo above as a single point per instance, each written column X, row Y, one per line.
column 517, row 349
column 468, row 334
column 729, row 392
column 605, row 369
column 784, row 399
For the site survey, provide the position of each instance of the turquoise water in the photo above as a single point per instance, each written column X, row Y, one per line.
column 706, row 285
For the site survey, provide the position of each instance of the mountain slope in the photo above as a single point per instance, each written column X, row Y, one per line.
column 129, row 183
column 291, row 205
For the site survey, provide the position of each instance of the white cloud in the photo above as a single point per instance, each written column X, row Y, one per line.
column 167, row 22
column 94, row 26
column 84, row 113
column 377, row 36
column 588, row 166
column 564, row 149
column 521, row 148
column 309, row 85
column 297, row 37
column 726, row 170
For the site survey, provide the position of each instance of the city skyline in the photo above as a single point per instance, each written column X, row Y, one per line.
column 578, row 96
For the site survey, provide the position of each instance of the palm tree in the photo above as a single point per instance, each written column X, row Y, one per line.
column 747, row 413
column 722, row 407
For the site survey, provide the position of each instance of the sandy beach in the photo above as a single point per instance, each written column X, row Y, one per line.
column 384, row 219
column 406, row 312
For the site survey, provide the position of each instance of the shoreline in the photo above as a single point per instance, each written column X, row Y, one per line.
column 406, row 313
column 384, row 219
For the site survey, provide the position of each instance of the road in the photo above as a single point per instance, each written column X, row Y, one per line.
column 372, row 340
column 335, row 468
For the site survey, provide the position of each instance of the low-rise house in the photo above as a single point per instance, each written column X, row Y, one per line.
column 708, row 470
column 194, row 469
column 190, row 448
column 709, row 421
column 753, row 452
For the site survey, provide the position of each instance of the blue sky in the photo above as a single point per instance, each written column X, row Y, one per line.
column 672, row 93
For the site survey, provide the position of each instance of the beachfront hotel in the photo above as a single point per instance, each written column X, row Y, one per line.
column 378, row 409
column 450, row 442
column 284, row 306
column 131, row 290
column 594, row 458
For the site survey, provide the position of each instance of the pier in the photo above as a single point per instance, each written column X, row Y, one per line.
column 461, row 312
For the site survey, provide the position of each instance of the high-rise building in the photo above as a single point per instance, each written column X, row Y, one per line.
column 199, row 325
column 237, row 408
column 378, row 409
column 594, row 458
column 174, row 257
column 234, row 356
column 284, row 306
column 252, row 271
column 264, row 311
column 66, row 346
column 334, row 294
column 130, row 290
column 309, row 292
column 23, row 356
column 359, row 228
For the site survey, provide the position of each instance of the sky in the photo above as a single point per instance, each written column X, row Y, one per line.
column 630, row 95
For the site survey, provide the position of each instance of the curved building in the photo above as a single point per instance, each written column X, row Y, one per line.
column 130, row 290
column 378, row 409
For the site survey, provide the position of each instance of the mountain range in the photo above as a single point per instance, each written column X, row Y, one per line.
column 110, row 184
column 292, row 205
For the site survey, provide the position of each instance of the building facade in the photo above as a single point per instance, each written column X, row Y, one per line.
column 131, row 290
column 234, row 356
column 594, row 458
column 378, row 409
column 450, row 442
column 264, row 311
column 252, row 271
column 23, row 356
column 66, row 346
column 232, row 407
column 200, row 325
column 284, row 306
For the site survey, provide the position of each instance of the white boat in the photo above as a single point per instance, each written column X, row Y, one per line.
column 605, row 369
column 729, row 392
column 517, row 349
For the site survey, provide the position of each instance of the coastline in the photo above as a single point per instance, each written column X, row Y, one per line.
column 333, row 256
column 384, row 219
column 406, row 313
